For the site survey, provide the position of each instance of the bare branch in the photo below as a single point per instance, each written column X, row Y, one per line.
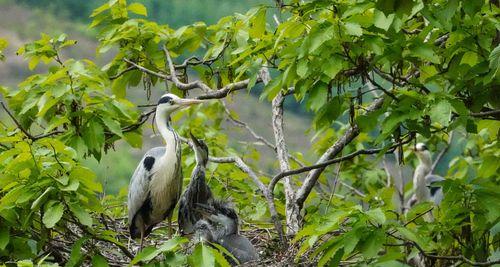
column 359, row 193
column 292, row 209
column 452, row 257
column 224, row 91
column 114, row 77
column 380, row 87
column 489, row 113
column 177, row 82
column 142, row 119
column 146, row 70
column 399, row 81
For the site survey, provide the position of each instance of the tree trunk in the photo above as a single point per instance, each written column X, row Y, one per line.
column 292, row 210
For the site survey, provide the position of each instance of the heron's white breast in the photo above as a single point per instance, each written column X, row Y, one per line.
column 164, row 182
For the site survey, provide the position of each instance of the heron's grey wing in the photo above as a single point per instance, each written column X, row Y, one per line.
column 138, row 190
column 240, row 247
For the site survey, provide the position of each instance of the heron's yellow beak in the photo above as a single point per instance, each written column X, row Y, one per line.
column 188, row 102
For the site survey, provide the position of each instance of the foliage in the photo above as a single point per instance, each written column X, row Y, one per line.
column 434, row 68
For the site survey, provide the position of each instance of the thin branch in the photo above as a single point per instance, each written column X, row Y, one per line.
column 326, row 163
column 489, row 113
column 380, row 87
column 399, row 81
column 142, row 119
column 16, row 122
column 30, row 136
column 359, row 193
column 451, row 257
column 224, row 91
column 177, row 82
column 146, row 70
column 114, row 77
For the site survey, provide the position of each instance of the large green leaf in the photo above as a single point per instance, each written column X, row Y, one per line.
column 53, row 213
column 4, row 237
column 202, row 256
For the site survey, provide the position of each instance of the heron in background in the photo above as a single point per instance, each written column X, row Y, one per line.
column 196, row 192
column 224, row 230
column 424, row 182
column 156, row 184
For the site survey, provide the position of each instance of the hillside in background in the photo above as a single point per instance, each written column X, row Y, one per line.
column 115, row 169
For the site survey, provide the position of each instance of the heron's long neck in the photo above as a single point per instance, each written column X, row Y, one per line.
column 425, row 159
column 423, row 169
column 166, row 130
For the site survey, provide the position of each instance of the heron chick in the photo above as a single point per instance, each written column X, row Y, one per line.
column 156, row 184
column 224, row 220
column 196, row 192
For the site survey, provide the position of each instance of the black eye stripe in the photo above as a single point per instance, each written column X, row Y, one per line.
column 164, row 99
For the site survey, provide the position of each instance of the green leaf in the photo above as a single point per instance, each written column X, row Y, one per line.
column 372, row 243
column 376, row 215
column 425, row 52
column 495, row 60
column 319, row 37
column 134, row 139
column 441, row 113
column 81, row 214
column 489, row 167
column 36, row 204
column 258, row 24
column 381, row 21
column 332, row 67
column 138, row 9
column 469, row 58
column 202, row 256
column 99, row 261
column 4, row 237
column 406, row 233
column 76, row 256
column 93, row 136
column 112, row 125
column 119, row 87
column 150, row 253
column 302, row 68
column 53, row 213
column 353, row 29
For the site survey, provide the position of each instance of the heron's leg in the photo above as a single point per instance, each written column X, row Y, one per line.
column 169, row 226
column 142, row 239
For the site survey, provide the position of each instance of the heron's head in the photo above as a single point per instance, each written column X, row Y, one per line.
column 421, row 147
column 203, row 231
column 422, row 152
column 200, row 149
column 169, row 103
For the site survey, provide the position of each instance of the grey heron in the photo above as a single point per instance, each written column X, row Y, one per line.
column 196, row 192
column 424, row 182
column 156, row 184
column 224, row 220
